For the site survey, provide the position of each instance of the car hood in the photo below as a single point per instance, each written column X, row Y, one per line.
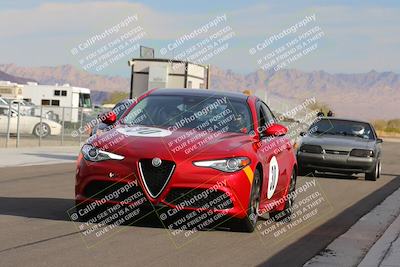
column 181, row 144
column 343, row 143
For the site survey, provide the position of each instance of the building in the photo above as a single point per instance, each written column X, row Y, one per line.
column 149, row 73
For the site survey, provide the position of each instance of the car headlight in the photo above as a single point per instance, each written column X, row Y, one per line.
column 311, row 149
column 363, row 153
column 225, row 165
column 92, row 153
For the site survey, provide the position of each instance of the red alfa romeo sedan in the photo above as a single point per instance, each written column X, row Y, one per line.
column 192, row 150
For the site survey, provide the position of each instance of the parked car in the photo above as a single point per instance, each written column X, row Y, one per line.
column 27, row 124
column 25, row 107
column 341, row 146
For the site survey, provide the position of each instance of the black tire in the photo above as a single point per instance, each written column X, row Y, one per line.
column 379, row 169
column 45, row 130
column 286, row 213
column 374, row 174
column 248, row 223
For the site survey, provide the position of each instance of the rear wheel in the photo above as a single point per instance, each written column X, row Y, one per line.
column 248, row 223
column 286, row 213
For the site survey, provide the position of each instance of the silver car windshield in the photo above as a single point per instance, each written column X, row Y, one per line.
column 343, row 128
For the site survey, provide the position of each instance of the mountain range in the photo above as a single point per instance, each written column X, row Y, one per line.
column 371, row 95
column 14, row 79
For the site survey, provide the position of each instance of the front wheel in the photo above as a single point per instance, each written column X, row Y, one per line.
column 285, row 215
column 41, row 131
column 248, row 224
column 375, row 173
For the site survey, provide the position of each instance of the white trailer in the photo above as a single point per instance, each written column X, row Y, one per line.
column 10, row 90
column 149, row 73
column 59, row 99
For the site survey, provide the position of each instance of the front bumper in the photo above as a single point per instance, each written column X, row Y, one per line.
column 228, row 192
column 335, row 163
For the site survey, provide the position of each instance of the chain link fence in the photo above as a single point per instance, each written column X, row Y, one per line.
column 30, row 126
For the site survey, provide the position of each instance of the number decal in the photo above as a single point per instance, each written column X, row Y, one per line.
column 144, row 131
column 273, row 177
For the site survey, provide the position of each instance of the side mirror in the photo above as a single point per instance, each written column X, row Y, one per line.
column 379, row 140
column 303, row 133
column 108, row 118
column 276, row 130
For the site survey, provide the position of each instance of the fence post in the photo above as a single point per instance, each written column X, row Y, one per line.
column 8, row 123
column 41, row 125
column 63, row 126
column 80, row 128
column 18, row 119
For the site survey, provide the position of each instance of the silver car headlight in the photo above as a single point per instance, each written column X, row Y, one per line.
column 95, row 154
column 225, row 165
column 362, row 153
column 311, row 149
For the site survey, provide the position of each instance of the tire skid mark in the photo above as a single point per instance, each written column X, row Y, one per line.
column 40, row 241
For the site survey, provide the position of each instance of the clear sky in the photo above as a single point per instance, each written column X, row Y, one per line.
column 359, row 36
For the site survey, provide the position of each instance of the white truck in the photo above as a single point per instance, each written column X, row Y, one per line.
column 64, row 101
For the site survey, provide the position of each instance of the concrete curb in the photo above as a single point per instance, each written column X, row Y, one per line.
column 350, row 248
column 386, row 251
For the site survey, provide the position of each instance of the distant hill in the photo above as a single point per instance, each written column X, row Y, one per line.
column 371, row 95
column 7, row 77
column 69, row 74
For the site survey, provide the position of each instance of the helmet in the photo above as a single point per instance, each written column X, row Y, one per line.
column 358, row 130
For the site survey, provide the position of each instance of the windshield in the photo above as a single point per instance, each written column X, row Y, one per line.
column 193, row 112
column 4, row 111
column 84, row 100
column 342, row 127
column 4, row 101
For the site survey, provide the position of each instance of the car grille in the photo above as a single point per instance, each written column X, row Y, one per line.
column 155, row 178
column 336, row 152
column 112, row 189
column 199, row 198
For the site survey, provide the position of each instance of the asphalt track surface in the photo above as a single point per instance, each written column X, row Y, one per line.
column 36, row 230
